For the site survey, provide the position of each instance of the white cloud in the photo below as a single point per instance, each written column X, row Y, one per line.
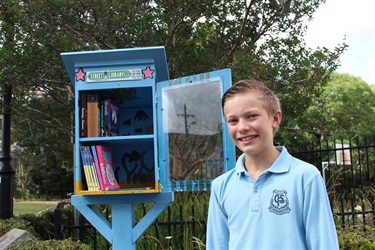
column 353, row 21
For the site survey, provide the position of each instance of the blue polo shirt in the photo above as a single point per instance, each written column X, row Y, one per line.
column 287, row 207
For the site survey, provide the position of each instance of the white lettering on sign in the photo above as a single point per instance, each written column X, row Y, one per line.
column 114, row 75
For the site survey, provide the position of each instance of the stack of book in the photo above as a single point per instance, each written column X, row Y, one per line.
column 98, row 168
column 98, row 117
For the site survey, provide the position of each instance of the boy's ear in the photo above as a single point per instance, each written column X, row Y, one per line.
column 277, row 116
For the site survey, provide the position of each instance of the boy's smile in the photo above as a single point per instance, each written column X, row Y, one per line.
column 248, row 138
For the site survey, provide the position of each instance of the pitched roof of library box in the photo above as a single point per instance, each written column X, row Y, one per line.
column 73, row 60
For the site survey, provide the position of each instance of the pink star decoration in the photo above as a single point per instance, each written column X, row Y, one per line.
column 148, row 72
column 80, row 75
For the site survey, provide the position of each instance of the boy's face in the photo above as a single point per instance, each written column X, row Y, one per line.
column 250, row 125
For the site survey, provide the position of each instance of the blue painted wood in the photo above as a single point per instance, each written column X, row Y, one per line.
column 96, row 219
column 122, row 226
column 122, row 234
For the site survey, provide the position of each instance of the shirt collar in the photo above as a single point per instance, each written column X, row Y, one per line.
column 281, row 165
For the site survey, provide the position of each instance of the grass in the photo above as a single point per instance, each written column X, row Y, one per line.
column 32, row 207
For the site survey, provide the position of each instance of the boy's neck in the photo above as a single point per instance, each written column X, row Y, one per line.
column 256, row 165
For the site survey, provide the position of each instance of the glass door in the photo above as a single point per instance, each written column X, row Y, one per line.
column 194, row 147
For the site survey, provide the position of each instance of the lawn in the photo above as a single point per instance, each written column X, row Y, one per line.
column 32, row 207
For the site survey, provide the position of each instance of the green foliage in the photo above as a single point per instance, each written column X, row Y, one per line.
column 41, row 227
column 14, row 222
column 45, row 174
column 67, row 244
column 357, row 237
column 42, row 224
column 23, row 194
column 346, row 108
column 189, row 212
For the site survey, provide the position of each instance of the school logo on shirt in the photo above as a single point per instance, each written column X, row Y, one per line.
column 279, row 203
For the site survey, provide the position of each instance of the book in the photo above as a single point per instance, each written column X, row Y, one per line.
column 114, row 125
column 111, row 118
column 92, row 114
column 104, row 154
column 82, row 114
column 107, row 117
column 101, row 115
column 97, row 167
column 94, row 173
column 86, row 168
column 102, row 170
column 92, row 170
column 91, row 176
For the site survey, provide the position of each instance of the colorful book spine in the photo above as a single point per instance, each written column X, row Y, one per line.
column 114, row 128
column 107, row 117
column 97, row 167
column 86, row 168
column 105, row 161
column 92, row 170
column 111, row 118
column 102, row 110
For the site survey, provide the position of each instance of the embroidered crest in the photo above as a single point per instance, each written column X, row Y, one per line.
column 279, row 203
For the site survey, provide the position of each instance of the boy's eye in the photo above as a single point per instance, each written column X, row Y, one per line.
column 252, row 116
column 231, row 121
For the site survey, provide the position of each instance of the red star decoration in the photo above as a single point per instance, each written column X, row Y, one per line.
column 148, row 72
column 80, row 75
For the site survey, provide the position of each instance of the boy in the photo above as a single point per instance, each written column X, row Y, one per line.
column 270, row 200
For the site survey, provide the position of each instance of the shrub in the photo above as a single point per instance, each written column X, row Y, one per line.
column 16, row 222
column 42, row 224
column 359, row 237
column 66, row 244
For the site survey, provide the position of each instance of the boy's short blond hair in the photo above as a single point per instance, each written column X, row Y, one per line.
column 268, row 98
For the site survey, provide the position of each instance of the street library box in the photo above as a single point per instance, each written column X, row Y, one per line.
column 125, row 102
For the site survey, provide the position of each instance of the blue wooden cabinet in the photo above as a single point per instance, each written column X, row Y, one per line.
column 169, row 135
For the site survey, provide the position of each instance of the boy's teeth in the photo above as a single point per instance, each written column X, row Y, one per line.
column 248, row 138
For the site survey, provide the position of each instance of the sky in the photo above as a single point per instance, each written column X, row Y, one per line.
column 354, row 21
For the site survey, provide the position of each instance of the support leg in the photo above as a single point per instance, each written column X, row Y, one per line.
column 122, row 226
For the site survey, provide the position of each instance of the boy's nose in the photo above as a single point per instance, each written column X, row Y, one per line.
column 243, row 125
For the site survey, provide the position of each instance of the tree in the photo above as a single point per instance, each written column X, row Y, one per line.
column 346, row 109
column 258, row 39
column 372, row 87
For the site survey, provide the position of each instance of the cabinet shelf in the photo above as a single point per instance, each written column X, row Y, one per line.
column 121, row 191
column 117, row 139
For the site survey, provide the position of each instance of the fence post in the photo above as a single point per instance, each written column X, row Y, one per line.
column 57, row 220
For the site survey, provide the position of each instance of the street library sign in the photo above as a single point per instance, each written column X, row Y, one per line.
column 114, row 75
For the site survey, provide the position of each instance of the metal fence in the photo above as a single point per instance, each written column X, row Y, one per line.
column 347, row 166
